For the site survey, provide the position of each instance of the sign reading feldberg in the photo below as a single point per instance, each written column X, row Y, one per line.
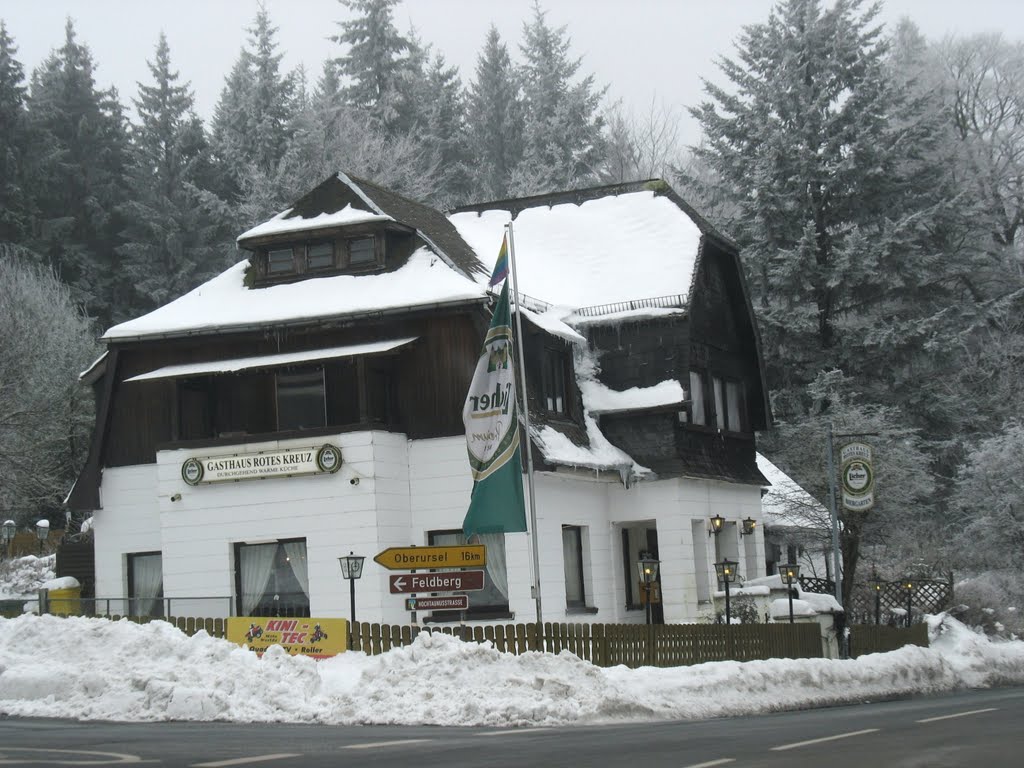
column 287, row 463
column 858, row 477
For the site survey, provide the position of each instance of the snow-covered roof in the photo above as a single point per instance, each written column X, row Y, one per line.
column 786, row 503
column 600, row 399
column 226, row 303
column 287, row 221
column 606, row 250
column 269, row 361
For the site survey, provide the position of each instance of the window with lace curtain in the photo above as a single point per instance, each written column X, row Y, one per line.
column 272, row 578
column 492, row 600
column 145, row 584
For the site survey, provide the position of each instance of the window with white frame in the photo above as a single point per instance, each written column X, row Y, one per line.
column 145, row 584
column 572, row 561
column 492, row 600
column 272, row 578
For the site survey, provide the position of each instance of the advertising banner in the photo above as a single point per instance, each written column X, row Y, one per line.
column 319, row 638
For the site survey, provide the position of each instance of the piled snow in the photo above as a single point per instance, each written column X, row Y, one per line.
column 22, row 576
column 98, row 669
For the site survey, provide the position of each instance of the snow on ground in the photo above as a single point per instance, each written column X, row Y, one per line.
column 91, row 669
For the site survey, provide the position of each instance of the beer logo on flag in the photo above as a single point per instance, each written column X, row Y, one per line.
column 492, row 425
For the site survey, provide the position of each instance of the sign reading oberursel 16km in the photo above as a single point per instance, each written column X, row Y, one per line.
column 858, row 477
column 462, row 556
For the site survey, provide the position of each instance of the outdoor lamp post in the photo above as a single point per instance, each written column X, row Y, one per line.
column 876, row 587
column 908, row 585
column 648, row 570
column 7, row 531
column 749, row 526
column 352, row 569
column 726, row 574
column 790, row 573
column 42, row 533
column 717, row 523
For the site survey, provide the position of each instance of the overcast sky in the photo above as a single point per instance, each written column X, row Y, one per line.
column 646, row 51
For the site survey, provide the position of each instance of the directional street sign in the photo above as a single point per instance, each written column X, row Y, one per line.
column 450, row 581
column 401, row 558
column 449, row 603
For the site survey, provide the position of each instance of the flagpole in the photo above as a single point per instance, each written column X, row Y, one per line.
column 526, row 424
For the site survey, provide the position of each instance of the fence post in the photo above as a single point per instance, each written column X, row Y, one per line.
column 44, row 601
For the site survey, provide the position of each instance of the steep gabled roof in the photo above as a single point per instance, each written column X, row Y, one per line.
column 343, row 199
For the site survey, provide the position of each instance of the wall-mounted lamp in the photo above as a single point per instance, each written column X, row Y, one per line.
column 717, row 523
column 176, row 497
column 749, row 525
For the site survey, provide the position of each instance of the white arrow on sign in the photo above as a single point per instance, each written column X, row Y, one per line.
column 399, row 583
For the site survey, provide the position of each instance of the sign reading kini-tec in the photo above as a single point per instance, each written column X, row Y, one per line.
column 319, row 638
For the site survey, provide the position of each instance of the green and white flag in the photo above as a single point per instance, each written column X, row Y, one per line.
column 492, row 434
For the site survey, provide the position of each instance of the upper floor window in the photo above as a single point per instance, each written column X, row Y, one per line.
column 553, row 380
column 300, row 399
column 320, row 256
column 356, row 253
column 361, row 252
column 280, row 261
column 719, row 401
column 697, row 408
column 723, row 406
column 734, row 406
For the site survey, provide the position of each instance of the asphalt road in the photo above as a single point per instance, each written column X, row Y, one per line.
column 970, row 728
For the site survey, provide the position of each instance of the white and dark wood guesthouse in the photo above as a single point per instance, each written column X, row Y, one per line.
column 307, row 403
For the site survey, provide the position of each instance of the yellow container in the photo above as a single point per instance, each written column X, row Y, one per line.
column 67, row 602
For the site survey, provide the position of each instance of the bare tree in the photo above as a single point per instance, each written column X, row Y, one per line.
column 45, row 414
column 644, row 147
column 986, row 91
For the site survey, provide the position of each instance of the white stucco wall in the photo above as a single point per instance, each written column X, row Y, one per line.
column 392, row 492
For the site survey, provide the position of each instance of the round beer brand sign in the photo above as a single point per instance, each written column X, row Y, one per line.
column 192, row 471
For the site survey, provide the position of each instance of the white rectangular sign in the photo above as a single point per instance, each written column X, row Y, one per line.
column 248, row 466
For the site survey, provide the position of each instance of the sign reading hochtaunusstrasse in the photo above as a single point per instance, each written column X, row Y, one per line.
column 858, row 477
column 250, row 466
column 461, row 556
column 448, row 581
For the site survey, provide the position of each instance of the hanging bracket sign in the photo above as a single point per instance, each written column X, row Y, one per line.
column 858, row 477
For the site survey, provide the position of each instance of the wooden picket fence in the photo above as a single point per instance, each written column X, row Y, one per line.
column 879, row 638
column 608, row 645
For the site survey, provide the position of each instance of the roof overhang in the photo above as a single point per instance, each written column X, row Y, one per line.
column 234, row 365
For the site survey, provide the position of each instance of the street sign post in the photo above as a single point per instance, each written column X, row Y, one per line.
column 402, row 558
column 449, row 581
column 447, row 603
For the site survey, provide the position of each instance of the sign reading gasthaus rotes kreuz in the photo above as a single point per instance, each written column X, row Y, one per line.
column 858, row 476
column 250, row 466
